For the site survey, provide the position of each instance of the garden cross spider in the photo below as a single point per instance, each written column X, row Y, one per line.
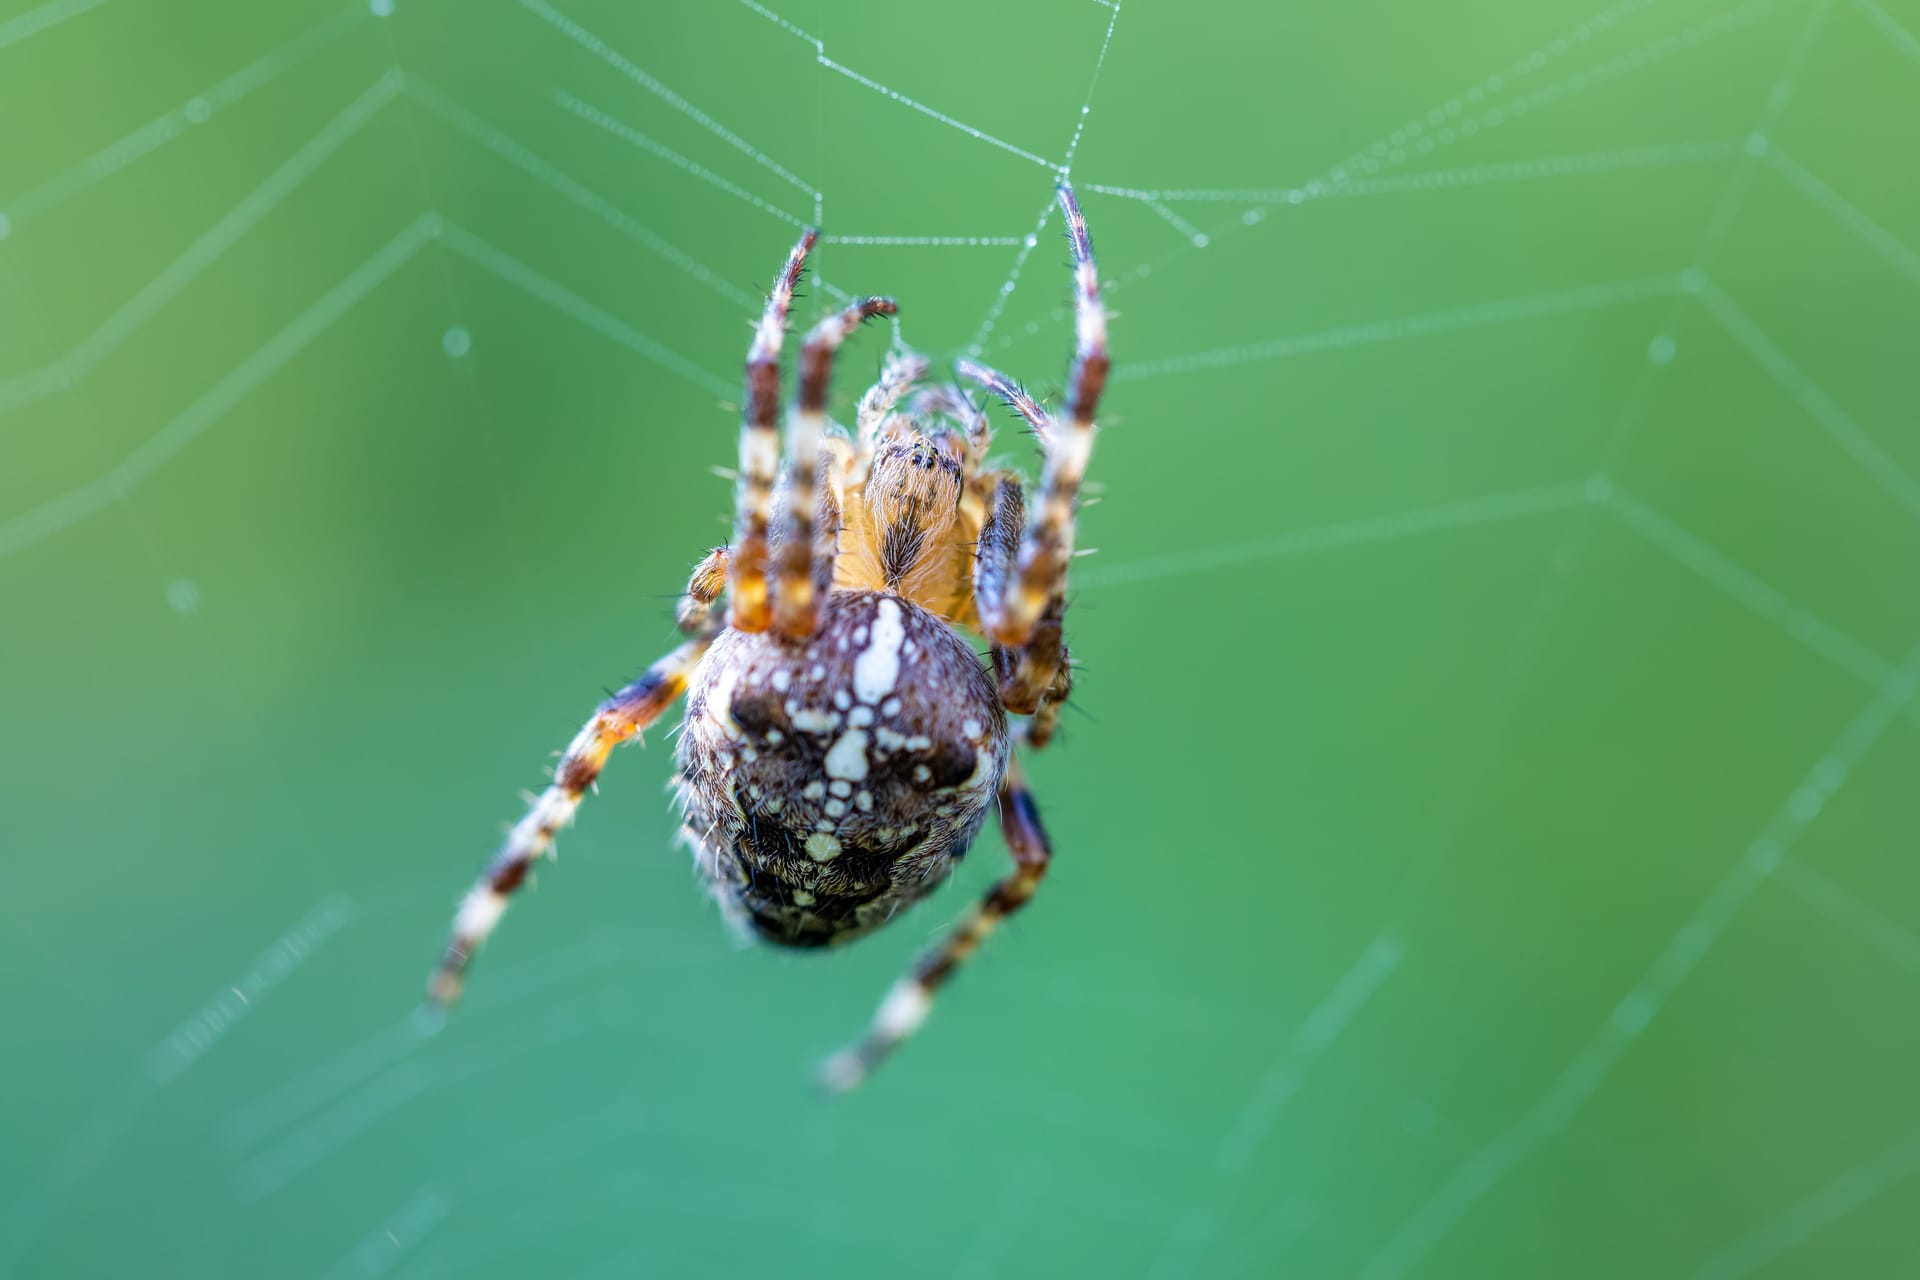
column 843, row 741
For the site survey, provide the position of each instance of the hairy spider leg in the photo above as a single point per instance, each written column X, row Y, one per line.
column 703, row 588
column 1046, row 717
column 827, row 524
column 1047, row 548
column 910, row 1000
column 1012, row 392
column 897, row 376
column 1019, row 594
column 625, row 715
column 996, row 555
column 1027, row 673
column 749, row 606
column 797, row 576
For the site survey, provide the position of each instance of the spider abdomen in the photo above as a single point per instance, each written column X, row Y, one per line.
column 830, row 782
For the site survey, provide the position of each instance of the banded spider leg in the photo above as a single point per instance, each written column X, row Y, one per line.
column 1020, row 577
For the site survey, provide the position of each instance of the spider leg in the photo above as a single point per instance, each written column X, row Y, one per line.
column 703, row 588
column 1020, row 568
column 996, row 556
column 619, row 718
column 749, row 606
column 1039, row 575
column 796, row 602
column 1046, row 717
column 1013, row 393
column 906, row 1006
column 1028, row 674
column 827, row 524
column 1033, row 677
column 897, row 376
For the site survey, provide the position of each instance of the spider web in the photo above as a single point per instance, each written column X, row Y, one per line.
column 556, row 203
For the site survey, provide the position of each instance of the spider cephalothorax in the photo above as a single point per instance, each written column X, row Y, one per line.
column 843, row 741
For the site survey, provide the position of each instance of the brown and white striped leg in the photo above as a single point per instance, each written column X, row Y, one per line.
column 897, row 376
column 997, row 553
column 1046, row 717
column 703, row 588
column 1027, row 673
column 1011, row 392
column 619, row 718
column 906, row 1006
column 1041, row 572
column 826, row 526
column 749, row 605
column 796, row 603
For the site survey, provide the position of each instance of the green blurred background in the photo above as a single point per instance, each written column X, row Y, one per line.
column 1489, row 847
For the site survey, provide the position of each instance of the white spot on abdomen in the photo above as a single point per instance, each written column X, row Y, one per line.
column 847, row 758
column 878, row 667
column 822, row 847
column 808, row 720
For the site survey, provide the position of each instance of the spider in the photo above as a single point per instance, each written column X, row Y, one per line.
column 843, row 741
